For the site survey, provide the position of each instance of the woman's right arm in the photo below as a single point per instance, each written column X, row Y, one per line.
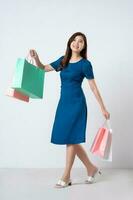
column 35, row 56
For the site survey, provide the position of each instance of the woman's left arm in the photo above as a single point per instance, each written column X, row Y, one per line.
column 96, row 92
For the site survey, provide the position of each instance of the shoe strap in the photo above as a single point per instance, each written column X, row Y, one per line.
column 62, row 183
column 90, row 178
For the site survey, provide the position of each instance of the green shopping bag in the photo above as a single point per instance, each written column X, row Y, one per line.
column 28, row 79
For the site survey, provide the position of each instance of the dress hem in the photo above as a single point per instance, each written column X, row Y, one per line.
column 64, row 143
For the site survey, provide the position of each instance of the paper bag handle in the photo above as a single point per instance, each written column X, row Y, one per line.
column 107, row 121
column 30, row 59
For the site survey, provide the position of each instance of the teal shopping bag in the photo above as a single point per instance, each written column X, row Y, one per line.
column 28, row 79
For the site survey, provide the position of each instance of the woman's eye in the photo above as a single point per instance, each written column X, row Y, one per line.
column 81, row 41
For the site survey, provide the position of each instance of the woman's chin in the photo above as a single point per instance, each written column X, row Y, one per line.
column 76, row 50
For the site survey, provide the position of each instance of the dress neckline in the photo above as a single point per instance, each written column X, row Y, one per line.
column 76, row 61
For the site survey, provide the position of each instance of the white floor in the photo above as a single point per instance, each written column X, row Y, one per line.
column 38, row 184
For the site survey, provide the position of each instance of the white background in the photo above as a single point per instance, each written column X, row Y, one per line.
column 25, row 128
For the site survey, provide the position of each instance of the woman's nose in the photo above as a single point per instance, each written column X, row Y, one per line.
column 76, row 43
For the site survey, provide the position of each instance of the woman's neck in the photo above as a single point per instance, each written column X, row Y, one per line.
column 75, row 56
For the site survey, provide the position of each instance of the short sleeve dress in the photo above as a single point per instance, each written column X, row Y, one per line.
column 70, row 119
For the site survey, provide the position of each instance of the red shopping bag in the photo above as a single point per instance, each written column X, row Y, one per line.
column 16, row 94
column 102, row 144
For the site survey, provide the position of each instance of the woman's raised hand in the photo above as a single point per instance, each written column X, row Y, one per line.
column 34, row 54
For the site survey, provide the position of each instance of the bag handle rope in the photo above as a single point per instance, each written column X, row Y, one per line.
column 107, row 121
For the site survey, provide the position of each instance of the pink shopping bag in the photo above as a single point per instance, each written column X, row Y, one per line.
column 16, row 94
column 102, row 144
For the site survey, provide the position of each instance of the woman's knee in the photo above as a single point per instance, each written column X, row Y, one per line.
column 73, row 146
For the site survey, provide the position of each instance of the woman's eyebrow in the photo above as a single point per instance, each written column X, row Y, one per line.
column 79, row 39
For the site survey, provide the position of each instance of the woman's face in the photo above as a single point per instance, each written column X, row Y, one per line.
column 77, row 44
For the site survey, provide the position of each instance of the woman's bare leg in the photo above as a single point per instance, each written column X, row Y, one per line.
column 70, row 156
column 91, row 169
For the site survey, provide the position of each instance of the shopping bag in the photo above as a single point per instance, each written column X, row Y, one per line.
column 108, row 150
column 16, row 94
column 28, row 79
column 102, row 143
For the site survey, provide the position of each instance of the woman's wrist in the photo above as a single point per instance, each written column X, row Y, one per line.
column 38, row 63
column 103, row 108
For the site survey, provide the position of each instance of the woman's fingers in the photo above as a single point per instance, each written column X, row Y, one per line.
column 32, row 53
column 106, row 114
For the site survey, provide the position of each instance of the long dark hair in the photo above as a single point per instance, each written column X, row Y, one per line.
column 68, row 53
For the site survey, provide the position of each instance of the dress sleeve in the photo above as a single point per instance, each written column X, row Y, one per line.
column 88, row 70
column 55, row 64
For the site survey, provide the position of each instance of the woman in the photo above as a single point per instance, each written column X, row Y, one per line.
column 71, row 115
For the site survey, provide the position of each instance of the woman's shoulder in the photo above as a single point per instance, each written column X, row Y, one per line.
column 61, row 56
column 87, row 62
column 87, row 69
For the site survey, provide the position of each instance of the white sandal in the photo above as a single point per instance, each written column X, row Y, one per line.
column 92, row 179
column 62, row 184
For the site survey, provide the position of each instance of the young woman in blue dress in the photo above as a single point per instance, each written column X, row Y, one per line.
column 76, row 50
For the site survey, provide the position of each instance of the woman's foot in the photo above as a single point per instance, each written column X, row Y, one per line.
column 92, row 171
column 92, row 178
column 64, row 181
column 65, row 177
column 62, row 184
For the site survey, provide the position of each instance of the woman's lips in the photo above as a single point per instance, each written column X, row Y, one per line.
column 75, row 47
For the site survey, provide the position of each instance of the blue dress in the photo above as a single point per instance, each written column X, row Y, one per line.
column 71, row 114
